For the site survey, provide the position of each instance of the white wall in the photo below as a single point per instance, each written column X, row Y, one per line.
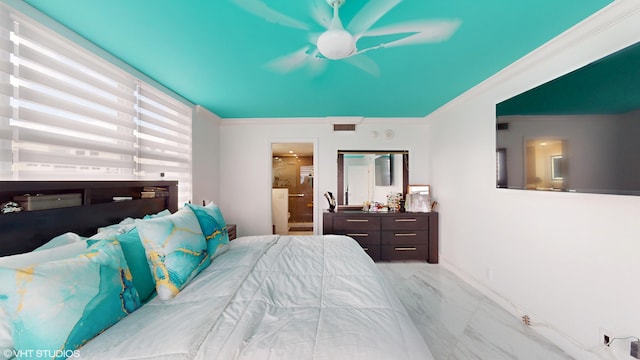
column 205, row 156
column 570, row 261
column 245, row 160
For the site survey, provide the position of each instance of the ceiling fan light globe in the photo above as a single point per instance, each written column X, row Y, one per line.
column 336, row 44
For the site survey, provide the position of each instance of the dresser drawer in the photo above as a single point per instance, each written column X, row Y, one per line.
column 350, row 223
column 403, row 237
column 365, row 238
column 406, row 222
column 402, row 252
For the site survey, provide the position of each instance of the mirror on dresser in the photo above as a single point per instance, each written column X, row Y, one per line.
column 370, row 175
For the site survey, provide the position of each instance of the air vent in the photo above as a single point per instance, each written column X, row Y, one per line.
column 344, row 127
column 502, row 126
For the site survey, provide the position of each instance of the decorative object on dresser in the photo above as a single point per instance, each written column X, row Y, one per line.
column 388, row 236
column 418, row 198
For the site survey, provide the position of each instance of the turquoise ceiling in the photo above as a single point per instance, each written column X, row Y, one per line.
column 214, row 53
column 610, row 85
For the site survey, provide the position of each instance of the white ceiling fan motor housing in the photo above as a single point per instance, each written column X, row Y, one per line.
column 336, row 44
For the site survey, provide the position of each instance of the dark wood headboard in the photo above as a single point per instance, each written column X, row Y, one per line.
column 26, row 230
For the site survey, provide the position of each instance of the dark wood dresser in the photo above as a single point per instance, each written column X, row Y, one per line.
column 388, row 236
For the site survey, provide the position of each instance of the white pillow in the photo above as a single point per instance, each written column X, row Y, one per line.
column 124, row 226
column 46, row 255
column 64, row 239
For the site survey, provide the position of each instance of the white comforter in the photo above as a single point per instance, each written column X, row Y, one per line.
column 272, row 297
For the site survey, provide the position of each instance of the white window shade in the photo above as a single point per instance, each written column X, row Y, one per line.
column 6, row 91
column 68, row 114
column 164, row 132
column 71, row 115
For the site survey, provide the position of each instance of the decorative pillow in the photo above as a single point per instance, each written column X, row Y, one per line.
column 162, row 213
column 124, row 226
column 175, row 249
column 6, row 341
column 57, row 253
column 213, row 226
column 59, row 305
column 64, row 239
column 137, row 260
column 127, row 224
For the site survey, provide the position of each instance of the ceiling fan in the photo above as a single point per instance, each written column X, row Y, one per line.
column 338, row 43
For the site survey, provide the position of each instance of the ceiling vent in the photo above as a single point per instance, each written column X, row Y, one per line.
column 344, row 127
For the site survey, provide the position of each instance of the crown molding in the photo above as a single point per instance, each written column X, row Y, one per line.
column 323, row 121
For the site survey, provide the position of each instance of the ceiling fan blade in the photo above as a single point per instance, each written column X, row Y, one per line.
column 369, row 15
column 321, row 13
column 317, row 65
column 364, row 63
column 290, row 62
column 417, row 33
column 437, row 30
column 260, row 9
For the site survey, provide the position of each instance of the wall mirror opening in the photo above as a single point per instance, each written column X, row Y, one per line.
column 576, row 133
column 371, row 175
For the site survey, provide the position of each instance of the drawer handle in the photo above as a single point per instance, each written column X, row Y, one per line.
column 363, row 234
column 357, row 220
column 406, row 249
column 406, row 220
column 406, row 234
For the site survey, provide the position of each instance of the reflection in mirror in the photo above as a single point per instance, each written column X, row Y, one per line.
column 545, row 164
column 371, row 176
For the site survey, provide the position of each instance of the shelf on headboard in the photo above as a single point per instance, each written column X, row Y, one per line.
column 24, row 231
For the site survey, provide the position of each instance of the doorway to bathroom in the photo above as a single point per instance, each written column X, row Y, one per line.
column 292, row 188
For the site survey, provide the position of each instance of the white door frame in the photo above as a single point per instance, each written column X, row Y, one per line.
column 316, row 198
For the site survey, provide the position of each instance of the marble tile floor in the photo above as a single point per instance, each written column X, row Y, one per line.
column 458, row 322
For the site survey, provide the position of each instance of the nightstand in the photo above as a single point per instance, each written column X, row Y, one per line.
column 231, row 229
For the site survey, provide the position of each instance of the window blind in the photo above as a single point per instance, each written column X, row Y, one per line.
column 67, row 114
column 164, row 133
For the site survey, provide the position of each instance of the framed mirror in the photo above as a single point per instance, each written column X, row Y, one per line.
column 370, row 175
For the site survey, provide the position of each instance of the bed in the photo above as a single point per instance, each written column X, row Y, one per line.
column 263, row 297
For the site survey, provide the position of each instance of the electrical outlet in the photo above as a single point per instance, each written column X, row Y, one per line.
column 604, row 337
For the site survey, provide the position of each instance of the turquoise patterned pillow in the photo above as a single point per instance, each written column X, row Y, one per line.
column 137, row 260
column 59, row 305
column 175, row 249
column 213, row 226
